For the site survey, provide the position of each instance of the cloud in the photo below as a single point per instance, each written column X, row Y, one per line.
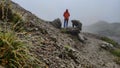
column 88, row 11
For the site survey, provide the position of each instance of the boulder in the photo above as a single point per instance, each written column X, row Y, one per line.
column 107, row 46
column 77, row 24
column 72, row 31
column 56, row 23
column 82, row 38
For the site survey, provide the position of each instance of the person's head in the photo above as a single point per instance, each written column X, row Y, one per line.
column 66, row 10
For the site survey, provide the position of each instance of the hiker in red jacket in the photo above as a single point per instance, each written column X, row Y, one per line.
column 66, row 18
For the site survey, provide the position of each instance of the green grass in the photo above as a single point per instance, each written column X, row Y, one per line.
column 16, row 17
column 117, row 60
column 67, row 47
column 63, row 30
column 7, row 15
column 116, row 52
column 108, row 40
column 17, row 22
column 14, row 53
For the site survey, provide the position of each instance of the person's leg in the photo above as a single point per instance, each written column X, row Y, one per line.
column 64, row 23
column 67, row 23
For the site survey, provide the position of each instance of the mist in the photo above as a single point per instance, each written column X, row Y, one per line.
column 87, row 11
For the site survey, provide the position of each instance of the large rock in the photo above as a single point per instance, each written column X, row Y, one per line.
column 56, row 23
column 82, row 38
column 107, row 46
column 77, row 24
column 72, row 31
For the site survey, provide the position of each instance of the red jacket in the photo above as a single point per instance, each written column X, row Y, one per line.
column 66, row 14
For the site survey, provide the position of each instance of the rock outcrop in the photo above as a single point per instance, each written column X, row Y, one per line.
column 72, row 31
column 107, row 46
column 57, row 23
column 82, row 38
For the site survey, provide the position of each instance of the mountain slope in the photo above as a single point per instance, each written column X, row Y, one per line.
column 111, row 30
column 60, row 50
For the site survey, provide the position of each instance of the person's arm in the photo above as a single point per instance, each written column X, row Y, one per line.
column 64, row 14
column 68, row 13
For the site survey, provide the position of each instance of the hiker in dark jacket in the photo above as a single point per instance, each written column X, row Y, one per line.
column 66, row 18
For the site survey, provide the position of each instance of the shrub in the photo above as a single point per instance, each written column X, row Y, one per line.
column 14, row 53
column 8, row 15
column 16, row 17
column 5, row 10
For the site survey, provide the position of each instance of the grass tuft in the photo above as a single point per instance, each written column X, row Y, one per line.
column 116, row 52
column 14, row 53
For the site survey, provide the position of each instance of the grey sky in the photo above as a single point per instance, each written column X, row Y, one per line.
column 87, row 11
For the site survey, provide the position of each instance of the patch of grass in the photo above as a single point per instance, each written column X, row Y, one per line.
column 108, row 40
column 14, row 53
column 17, row 22
column 7, row 15
column 63, row 30
column 116, row 52
column 117, row 60
column 6, row 12
column 16, row 17
column 69, row 48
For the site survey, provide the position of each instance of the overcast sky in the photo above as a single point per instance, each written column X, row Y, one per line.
column 87, row 11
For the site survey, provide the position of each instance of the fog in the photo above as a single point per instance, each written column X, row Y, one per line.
column 87, row 11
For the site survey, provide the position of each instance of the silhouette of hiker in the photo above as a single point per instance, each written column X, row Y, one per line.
column 66, row 18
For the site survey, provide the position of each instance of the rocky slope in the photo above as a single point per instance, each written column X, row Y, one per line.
column 60, row 50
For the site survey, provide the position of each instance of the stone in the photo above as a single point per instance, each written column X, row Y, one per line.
column 107, row 46
column 72, row 31
column 82, row 38
column 56, row 23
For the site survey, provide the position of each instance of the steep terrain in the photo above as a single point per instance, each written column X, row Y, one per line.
column 56, row 49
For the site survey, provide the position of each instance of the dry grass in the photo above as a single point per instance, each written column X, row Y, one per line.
column 14, row 53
